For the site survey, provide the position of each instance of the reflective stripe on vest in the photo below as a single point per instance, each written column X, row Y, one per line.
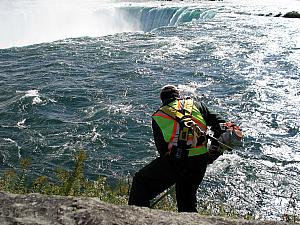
column 170, row 127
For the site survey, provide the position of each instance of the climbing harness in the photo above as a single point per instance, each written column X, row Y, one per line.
column 188, row 136
column 185, row 131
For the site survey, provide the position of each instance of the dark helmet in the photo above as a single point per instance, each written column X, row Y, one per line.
column 169, row 92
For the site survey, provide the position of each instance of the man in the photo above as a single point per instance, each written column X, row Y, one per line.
column 179, row 129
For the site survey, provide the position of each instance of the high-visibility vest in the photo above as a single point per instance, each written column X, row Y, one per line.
column 167, row 117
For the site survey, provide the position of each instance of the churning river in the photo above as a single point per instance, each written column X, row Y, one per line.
column 87, row 74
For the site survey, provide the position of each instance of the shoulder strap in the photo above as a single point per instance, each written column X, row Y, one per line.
column 170, row 111
column 176, row 114
column 188, row 106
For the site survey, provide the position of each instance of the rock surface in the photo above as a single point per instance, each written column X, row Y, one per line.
column 292, row 14
column 55, row 210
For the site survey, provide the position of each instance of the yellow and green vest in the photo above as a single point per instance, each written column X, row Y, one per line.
column 167, row 118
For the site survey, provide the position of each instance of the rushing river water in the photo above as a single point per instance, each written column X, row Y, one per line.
column 96, row 86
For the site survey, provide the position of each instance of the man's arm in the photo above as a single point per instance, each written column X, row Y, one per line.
column 161, row 145
column 211, row 118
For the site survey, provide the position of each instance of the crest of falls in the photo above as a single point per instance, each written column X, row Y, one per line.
column 34, row 22
column 149, row 18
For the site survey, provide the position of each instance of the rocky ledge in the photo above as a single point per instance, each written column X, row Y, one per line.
column 55, row 210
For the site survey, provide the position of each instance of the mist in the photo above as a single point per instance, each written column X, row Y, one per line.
column 25, row 22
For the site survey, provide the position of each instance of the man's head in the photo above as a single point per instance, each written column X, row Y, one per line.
column 169, row 92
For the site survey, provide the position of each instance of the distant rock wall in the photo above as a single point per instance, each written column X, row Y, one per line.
column 36, row 209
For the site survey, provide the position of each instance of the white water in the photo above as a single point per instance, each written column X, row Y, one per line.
column 25, row 22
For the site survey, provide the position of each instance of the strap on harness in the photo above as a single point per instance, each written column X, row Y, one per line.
column 175, row 113
column 185, row 121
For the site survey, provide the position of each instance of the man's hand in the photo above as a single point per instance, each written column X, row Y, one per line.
column 213, row 153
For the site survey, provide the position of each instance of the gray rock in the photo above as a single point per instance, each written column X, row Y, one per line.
column 293, row 14
column 37, row 209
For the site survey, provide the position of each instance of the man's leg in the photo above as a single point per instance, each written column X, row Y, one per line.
column 151, row 181
column 187, row 185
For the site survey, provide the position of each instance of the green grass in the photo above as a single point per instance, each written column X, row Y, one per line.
column 68, row 183
column 74, row 183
